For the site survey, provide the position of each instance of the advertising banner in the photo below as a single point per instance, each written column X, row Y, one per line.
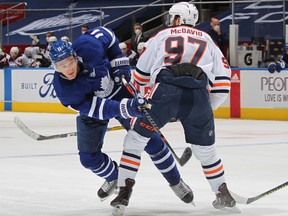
column 33, row 85
column 260, row 89
column 33, row 91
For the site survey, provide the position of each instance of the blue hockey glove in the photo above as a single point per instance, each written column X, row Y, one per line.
column 120, row 67
column 132, row 107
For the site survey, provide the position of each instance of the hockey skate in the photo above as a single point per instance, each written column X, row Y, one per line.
column 122, row 200
column 224, row 201
column 183, row 191
column 107, row 189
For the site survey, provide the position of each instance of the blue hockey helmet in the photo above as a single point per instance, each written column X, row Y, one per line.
column 60, row 50
column 272, row 67
column 286, row 46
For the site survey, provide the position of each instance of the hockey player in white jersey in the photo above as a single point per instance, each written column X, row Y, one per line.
column 189, row 77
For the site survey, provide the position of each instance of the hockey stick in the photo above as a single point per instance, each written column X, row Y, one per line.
column 40, row 137
column 187, row 152
column 243, row 200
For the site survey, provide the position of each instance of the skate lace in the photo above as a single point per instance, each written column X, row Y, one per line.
column 183, row 190
column 107, row 186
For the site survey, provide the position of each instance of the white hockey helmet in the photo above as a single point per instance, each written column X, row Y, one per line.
column 14, row 50
column 52, row 39
column 65, row 38
column 122, row 45
column 188, row 13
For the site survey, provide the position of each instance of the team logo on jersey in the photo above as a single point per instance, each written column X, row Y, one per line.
column 107, row 84
column 60, row 22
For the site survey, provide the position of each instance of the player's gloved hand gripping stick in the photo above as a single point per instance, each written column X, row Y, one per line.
column 187, row 152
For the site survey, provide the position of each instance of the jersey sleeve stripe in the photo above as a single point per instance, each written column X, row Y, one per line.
column 93, row 106
column 101, row 109
column 142, row 72
column 140, row 79
column 219, row 91
column 221, row 84
column 111, row 34
column 222, row 78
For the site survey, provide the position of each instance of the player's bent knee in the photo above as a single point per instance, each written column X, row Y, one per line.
column 91, row 160
column 154, row 145
column 204, row 153
column 135, row 141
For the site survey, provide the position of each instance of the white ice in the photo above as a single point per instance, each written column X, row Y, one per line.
column 41, row 178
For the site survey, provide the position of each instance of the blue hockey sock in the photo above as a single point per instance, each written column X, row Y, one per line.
column 100, row 164
column 165, row 163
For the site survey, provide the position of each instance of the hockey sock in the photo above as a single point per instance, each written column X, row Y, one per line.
column 163, row 159
column 165, row 163
column 100, row 164
column 214, row 173
column 211, row 164
column 129, row 165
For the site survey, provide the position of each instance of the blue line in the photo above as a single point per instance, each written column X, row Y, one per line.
column 119, row 151
column 7, row 89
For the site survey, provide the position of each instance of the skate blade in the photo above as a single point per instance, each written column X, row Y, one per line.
column 227, row 210
column 116, row 191
column 118, row 210
column 192, row 203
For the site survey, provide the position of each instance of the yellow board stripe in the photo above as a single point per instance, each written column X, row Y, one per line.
column 254, row 113
column 264, row 114
column 40, row 107
column 1, row 106
column 222, row 112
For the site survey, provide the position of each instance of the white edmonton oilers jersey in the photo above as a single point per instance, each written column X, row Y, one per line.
column 184, row 44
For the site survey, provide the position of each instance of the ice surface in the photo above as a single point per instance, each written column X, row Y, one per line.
column 41, row 178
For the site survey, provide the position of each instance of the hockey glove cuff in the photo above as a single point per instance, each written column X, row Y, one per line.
column 120, row 67
column 130, row 108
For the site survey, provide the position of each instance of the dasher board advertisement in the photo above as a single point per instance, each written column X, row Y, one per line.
column 261, row 89
column 33, row 85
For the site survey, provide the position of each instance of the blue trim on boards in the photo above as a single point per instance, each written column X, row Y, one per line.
column 7, row 89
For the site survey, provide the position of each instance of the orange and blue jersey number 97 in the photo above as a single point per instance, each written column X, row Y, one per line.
column 175, row 46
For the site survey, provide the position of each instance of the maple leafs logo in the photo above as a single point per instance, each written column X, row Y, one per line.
column 107, row 85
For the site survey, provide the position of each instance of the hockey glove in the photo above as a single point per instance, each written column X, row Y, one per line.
column 120, row 67
column 280, row 65
column 132, row 107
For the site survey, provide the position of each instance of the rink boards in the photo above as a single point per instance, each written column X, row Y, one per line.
column 1, row 90
column 255, row 93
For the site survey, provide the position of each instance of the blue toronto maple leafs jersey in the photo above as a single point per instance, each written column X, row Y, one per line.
column 92, row 91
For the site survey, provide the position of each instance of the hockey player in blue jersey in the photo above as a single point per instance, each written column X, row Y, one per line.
column 281, row 63
column 88, row 79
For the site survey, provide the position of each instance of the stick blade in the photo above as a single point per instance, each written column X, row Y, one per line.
column 25, row 129
column 239, row 199
column 187, row 154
